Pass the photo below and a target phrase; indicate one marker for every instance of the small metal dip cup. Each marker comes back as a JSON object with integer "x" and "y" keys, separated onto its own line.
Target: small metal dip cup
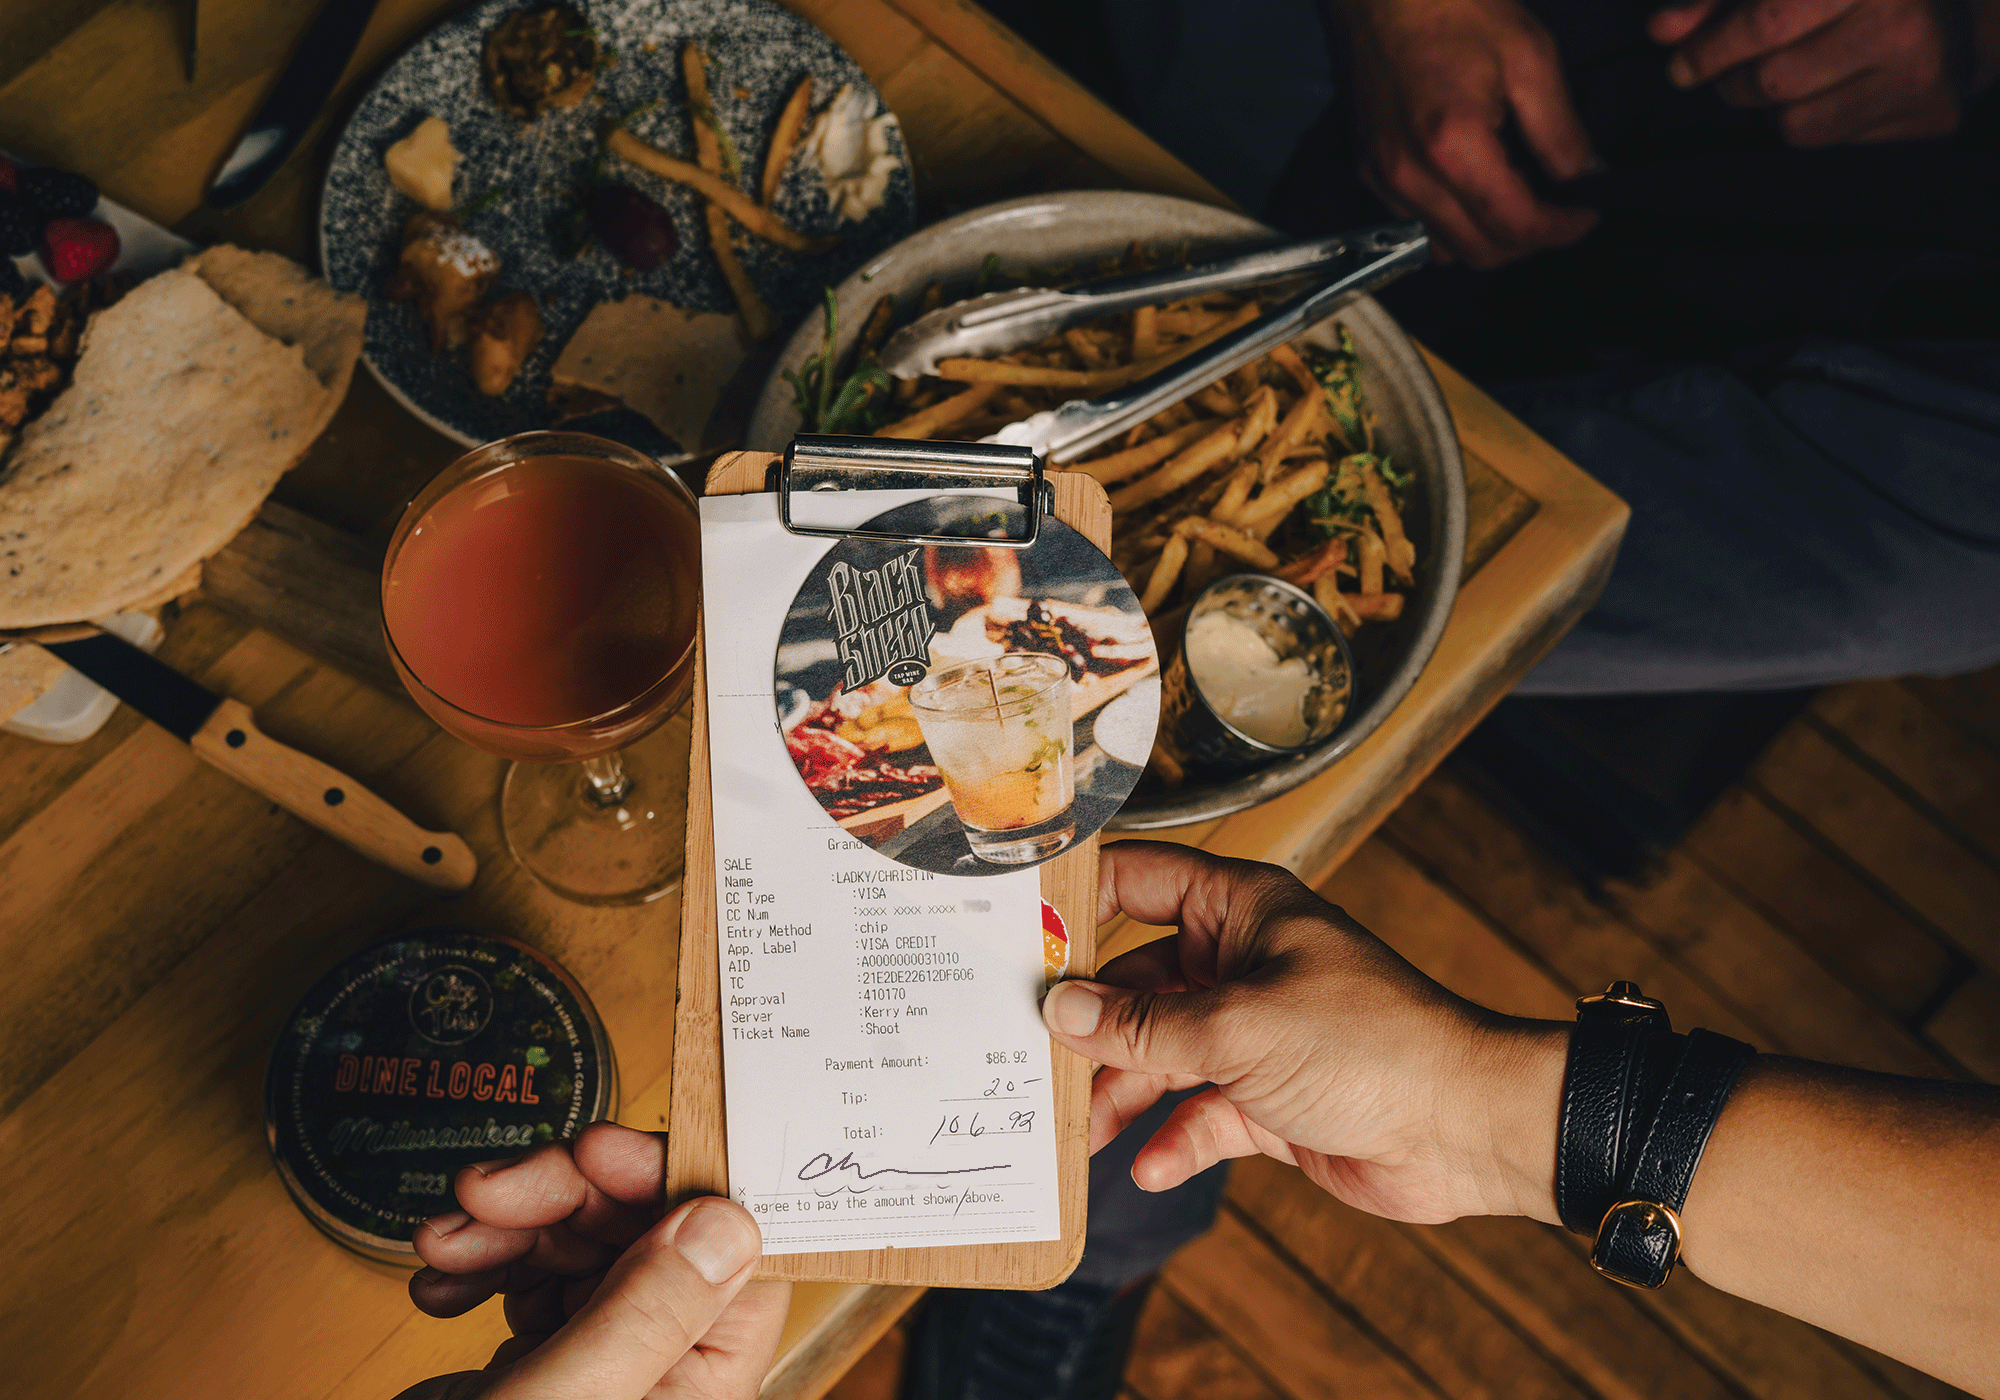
{"x": 1294, "y": 623}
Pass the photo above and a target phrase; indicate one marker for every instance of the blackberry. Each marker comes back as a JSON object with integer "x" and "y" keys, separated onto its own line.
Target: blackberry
{"x": 12, "y": 284}
{"x": 20, "y": 230}
{"x": 57, "y": 194}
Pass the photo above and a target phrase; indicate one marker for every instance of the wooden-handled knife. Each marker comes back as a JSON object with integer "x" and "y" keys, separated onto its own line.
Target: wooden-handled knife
{"x": 223, "y": 732}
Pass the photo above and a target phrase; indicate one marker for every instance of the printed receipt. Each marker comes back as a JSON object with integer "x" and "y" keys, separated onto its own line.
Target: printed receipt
{"x": 885, "y": 1069}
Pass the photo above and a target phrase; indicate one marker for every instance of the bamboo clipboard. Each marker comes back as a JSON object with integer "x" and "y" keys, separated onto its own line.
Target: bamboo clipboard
{"x": 697, "y": 1153}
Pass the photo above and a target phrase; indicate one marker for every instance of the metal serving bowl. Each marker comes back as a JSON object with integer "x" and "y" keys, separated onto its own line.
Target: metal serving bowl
{"x": 1079, "y": 228}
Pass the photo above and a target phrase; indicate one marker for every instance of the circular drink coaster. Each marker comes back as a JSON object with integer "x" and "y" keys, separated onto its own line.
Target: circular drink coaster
{"x": 419, "y": 1056}
{"x": 940, "y": 701}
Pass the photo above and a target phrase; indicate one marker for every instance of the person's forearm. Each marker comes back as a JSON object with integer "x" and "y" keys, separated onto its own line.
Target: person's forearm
{"x": 1864, "y": 1204}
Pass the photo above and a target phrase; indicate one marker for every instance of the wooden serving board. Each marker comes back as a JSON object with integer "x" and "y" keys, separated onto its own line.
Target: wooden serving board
{"x": 697, "y": 1148}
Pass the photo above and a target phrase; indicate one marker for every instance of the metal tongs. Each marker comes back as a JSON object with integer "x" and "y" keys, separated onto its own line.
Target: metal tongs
{"x": 1348, "y": 266}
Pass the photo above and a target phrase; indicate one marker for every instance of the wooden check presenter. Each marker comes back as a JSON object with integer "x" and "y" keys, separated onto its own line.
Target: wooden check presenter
{"x": 697, "y": 1149}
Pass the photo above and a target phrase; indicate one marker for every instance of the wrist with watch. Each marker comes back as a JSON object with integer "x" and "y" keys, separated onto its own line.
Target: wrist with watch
{"x": 1639, "y": 1102}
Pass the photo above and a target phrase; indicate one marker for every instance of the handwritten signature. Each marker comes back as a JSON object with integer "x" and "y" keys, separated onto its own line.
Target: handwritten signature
{"x": 823, "y": 1165}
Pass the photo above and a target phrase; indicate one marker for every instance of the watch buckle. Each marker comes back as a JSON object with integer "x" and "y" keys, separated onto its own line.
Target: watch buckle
{"x": 1647, "y": 1217}
{"x": 1622, "y": 994}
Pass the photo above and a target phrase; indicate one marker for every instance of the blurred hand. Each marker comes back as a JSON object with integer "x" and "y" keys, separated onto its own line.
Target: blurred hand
{"x": 607, "y": 1301}
{"x": 1835, "y": 70}
{"x": 1435, "y": 82}
{"x": 1325, "y": 1048}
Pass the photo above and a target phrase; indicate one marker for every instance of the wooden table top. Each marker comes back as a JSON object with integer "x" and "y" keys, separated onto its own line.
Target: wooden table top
{"x": 159, "y": 920}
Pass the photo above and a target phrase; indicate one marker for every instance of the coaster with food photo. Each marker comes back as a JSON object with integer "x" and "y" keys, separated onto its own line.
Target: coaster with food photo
{"x": 946, "y": 704}
{"x": 548, "y": 206}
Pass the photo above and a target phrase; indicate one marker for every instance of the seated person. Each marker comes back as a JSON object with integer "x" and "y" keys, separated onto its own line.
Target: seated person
{"x": 1835, "y": 1196}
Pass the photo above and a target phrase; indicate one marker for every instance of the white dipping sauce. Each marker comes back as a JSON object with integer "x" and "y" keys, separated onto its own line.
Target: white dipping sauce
{"x": 1243, "y": 680}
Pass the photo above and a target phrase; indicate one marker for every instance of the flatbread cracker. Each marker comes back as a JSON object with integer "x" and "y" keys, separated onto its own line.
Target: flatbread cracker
{"x": 664, "y": 361}
{"x": 186, "y": 407}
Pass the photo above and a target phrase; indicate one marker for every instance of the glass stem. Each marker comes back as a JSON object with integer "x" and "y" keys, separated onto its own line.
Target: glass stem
{"x": 605, "y": 782}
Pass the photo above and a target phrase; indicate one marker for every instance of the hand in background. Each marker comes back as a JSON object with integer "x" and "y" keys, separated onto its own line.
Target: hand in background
{"x": 1835, "y": 70}
{"x": 1435, "y": 83}
{"x": 607, "y": 1300}
{"x": 1326, "y": 1049}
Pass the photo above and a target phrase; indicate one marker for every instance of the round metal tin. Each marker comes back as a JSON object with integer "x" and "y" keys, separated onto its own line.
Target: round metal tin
{"x": 416, "y": 1057}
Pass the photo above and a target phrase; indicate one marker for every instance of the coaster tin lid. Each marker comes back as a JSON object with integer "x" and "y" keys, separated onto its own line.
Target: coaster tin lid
{"x": 416, "y": 1057}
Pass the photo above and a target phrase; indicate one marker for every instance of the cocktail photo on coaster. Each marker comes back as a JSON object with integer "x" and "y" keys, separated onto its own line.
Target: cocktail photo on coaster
{"x": 967, "y": 710}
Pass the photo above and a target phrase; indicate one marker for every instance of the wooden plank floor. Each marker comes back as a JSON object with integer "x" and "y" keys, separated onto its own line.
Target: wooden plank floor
{"x": 1842, "y": 901}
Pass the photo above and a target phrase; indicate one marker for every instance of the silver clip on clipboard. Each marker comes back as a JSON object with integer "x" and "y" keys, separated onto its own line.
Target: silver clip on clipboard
{"x": 821, "y": 462}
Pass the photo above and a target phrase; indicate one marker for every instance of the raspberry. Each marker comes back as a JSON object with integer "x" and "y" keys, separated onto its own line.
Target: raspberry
{"x": 10, "y": 177}
{"x": 57, "y": 194}
{"x": 18, "y": 227}
{"x": 75, "y": 249}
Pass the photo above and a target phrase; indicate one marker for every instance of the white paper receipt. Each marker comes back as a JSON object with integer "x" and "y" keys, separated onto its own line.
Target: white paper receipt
{"x": 885, "y": 1069}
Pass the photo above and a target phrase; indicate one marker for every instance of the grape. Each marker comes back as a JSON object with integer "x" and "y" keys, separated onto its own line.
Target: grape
{"x": 632, "y": 226}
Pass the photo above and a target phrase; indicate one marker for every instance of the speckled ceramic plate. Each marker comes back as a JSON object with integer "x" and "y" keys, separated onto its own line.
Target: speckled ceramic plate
{"x": 756, "y": 49}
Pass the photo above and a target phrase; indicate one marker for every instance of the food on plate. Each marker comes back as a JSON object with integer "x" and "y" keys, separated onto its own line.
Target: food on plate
{"x": 850, "y": 144}
{"x": 20, "y": 229}
{"x": 785, "y": 138}
{"x": 445, "y": 270}
{"x": 847, "y": 777}
{"x": 638, "y": 232}
{"x": 1244, "y": 680}
{"x": 190, "y": 397}
{"x": 56, "y": 194}
{"x": 888, "y": 727}
{"x": 862, "y": 397}
{"x": 1272, "y": 469}
{"x": 542, "y": 59}
{"x": 40, "y": 338}
{"x": 421, "y": 164}
{"x": 658, "y": 359}
{"x": 754, "y": 217}
{"x": 504, "y": 333}
{"x": 717, "y": 156}
{"x": 75, "y": 249}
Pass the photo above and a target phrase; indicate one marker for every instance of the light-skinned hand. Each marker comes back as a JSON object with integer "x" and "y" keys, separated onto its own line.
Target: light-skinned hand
{"x": 607, "y": 1300}
{"x": 1435, "y": 83}
{"x": 1834, "y": 70}
{"x": 1326, "y": 1049}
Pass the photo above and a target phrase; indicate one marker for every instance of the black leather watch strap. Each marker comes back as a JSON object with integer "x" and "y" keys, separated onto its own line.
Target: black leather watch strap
{"x": 1613, "y": 1053}
{"x": 1639, "y": 1238}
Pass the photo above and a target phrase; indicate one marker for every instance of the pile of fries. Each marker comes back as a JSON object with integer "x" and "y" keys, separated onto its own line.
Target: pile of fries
{"x": 1271, "y": 470}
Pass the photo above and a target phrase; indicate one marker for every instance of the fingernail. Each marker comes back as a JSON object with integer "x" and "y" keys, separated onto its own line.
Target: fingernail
{"x": 498, "y": 1164}
{"x": 427, "y": 1275}
{"x": 1072, "y": 1008}
{"x": 718, "y": 1241}
{"x": 450, "y": 1223}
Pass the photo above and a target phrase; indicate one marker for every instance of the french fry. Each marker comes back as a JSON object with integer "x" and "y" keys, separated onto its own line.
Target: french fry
{"x": 1340, "y": 606}
{"x": 1280, "y": 496}
{"x": 1378, "y": 607}
{"x": 1310, "y": 568}
{"x": 933, "y": 298}
{"x": 1373, "y": 556}
{"x": 1261, "y": 417}
{"x": 1145, "y": 332}
{"x": 785, "y": 139}
{"x": 1288, "y": 360}
{"x": 1217, "y": 400}
{"x": 1236, "y": 493}
{"x": 966, "y": 370}
{"x": 1307, "y": 419}
{"x": 876, "y": 328}
{"x": 1166, "y": 572}
{"x": 754, "y": 217}
{"x": 1228, "y": 540}
{"x": 1186, "y": 466}
{"x": 1402, "y": 555}
{"x": 1086, "y": 349}
{"x": 1245, "y": 381}
{"x": 757, "y": 317}
{"x": 1134, "y": 460}
{"x": 929, "y": 422}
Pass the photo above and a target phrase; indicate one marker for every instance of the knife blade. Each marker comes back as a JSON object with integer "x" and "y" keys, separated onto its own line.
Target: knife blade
{"x": 224, "y": 733}
{"x": 1063, "y": 434}
{"x": 1001, "y": 321}
{"x": 295, "y": 100}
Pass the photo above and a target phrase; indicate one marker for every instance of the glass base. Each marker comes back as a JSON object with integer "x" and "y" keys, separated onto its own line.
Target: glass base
{"x": 628, "y": 851}
{"x": 1024, "y": 846}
